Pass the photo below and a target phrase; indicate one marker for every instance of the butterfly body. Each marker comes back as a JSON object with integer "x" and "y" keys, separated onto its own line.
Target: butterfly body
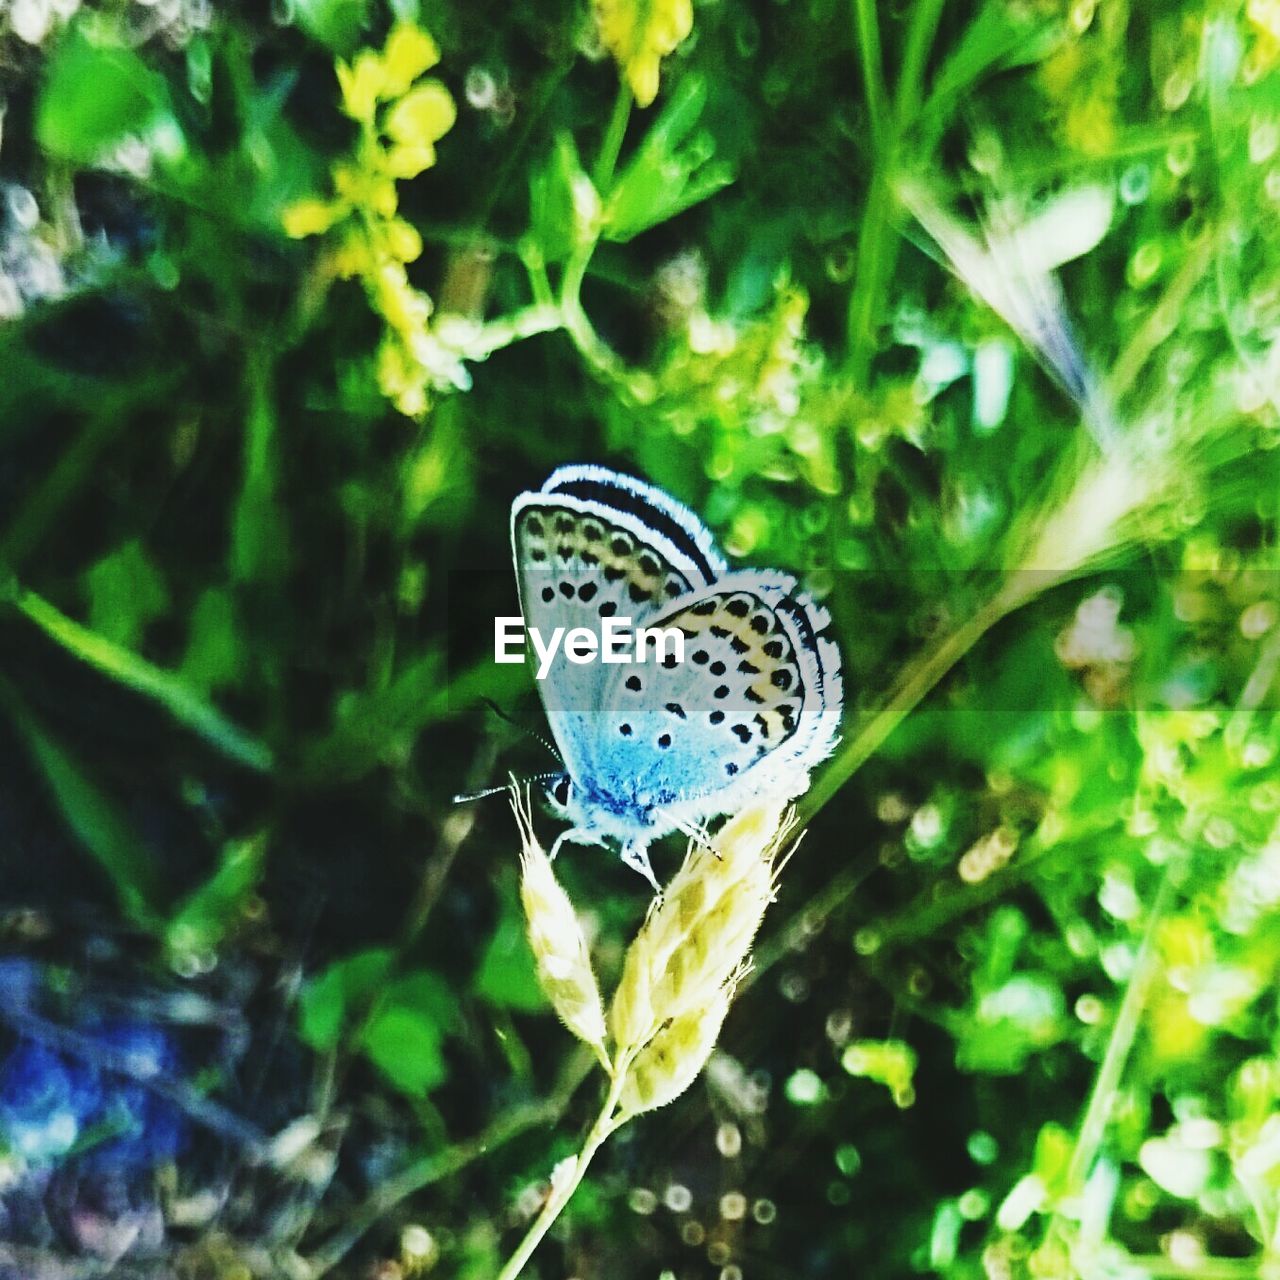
{"x": 660, "y": 745}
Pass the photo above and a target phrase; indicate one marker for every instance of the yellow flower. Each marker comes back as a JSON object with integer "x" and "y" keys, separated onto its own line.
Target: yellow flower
{"x": 422, "y": 115}
{"x": 396, "y": 377}
{"x": 373, "y": 242}
{"x": 353, "y": 257}
{"x": 639, "y": 34}
{"x": 401, "y": 305}
{"x": 409, "y": 52}
{"x": 362, "y": 84}
{"x": 311, "y": 217}
{"x": 403, "y": 241}
{"x": 366, "y": 189}
{"x": 408, "y": 161}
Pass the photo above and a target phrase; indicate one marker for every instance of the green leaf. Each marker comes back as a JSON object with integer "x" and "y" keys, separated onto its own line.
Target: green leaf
{"x": 97, "y": 821}
{"x": 407, "y": 1019}
{"x": 95, "y": 93}
{"x": 126, "y": 592}
{"x": 405, "y": 1035}
{"x": 672, "y": 170}
{"x": 407, "y": 1046}
{"x": 327, "y": 1000}
{"x": 212, "y": 659}
{"x": 121, "y": 664}
{"x": 259, "y": 534}
{"x": 205, "y": 915}
{"x": 334, "y": 23}
{"x": 507, "y": 975}
{"x": 998, "y": 38}
{"x": 562, "y": 201}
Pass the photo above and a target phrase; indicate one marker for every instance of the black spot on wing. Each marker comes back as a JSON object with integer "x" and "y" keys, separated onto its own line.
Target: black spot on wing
{"x": 621, "y": 499}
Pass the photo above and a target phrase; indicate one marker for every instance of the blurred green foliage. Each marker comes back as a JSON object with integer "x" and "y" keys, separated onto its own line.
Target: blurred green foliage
{"x": 967, "y": 313}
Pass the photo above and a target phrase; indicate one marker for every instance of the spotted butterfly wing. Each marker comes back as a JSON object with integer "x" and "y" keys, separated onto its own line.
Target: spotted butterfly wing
{"x": 591, "y": 544}
{"x": 752, "y": 708}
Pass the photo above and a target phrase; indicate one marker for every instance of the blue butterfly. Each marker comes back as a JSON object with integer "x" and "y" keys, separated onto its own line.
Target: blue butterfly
{"x": 665, "y": 745}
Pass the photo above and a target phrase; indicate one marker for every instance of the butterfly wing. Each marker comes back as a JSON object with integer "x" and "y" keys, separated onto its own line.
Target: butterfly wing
{"x": 592, "y": 544}
{"x": 752, "y": 708}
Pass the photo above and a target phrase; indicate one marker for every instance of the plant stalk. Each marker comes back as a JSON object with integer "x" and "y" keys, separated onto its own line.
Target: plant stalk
{"x": 564, "y": 1185}
{"x": 916, "y": 680}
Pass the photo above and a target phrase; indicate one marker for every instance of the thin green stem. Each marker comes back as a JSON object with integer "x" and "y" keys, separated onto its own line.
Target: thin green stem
{"x": 611, "y": 144}
{"x": 173, "y": 693}
{"x": 494, "y": 335}
{"x": 566, "y": 1180}
{"x": 866, "y": 24}
{"x": 1093, "y": 1125}
{"x": 107, "y": 417}
{"x": 924, "y": 25}
{"x": 916, "y": 680}
{"x": 47, "y": 499}
{"x": 539, "y": 283}
{"x": 874, "y": 264}
{"x": 873, "y": 251}
{"x": 602, "y": 358}
{"x": 443, "y": 1164}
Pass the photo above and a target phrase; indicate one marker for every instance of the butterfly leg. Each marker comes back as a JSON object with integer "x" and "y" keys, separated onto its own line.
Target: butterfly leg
{"x": 636, "y": 856}
{"x": 574, "y": 835}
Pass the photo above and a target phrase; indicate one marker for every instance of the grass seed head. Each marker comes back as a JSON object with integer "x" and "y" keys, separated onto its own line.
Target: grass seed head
{"x": 698, "y": 934}
{"x": 672, "y": 1059}
{"x": 556, "y": 938}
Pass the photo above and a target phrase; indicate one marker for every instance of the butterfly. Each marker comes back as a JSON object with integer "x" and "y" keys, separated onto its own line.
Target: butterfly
{"x": 662, "y": 745}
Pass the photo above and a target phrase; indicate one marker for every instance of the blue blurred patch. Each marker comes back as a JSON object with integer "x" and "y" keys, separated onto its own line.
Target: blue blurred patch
{"x": 100, "y": 1113}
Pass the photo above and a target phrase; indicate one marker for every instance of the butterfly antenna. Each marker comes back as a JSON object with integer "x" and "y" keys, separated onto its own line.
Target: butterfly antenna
{"x": 515, "y": 724}
{"x": 466, "y": 797}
